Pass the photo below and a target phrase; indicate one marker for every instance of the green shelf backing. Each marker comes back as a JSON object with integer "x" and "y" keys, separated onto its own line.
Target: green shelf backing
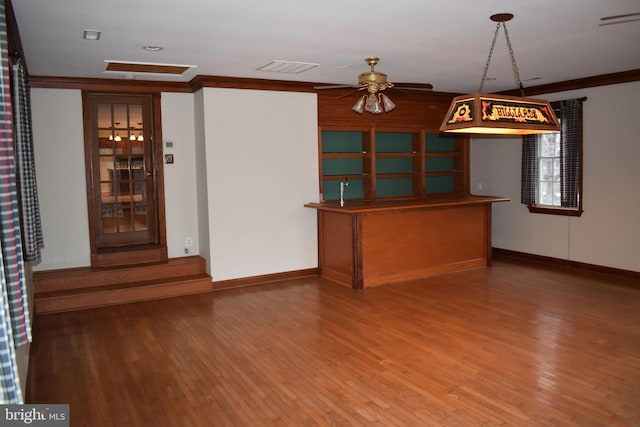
{"x": 394, "y": 165}
{"x": 436, "y": 143}
{"x": 331, "y": 189}
{"x": 389, "y": 187}
{"x": 440, "y": 184}
{"x": 341, "y": 166}
{"x": 393, "y": 142}
{"x": 440, "y": 164}
{"x": 341, "y": 142}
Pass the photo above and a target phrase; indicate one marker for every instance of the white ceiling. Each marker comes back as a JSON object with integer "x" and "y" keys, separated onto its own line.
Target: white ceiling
{"x": 444, "y": 43}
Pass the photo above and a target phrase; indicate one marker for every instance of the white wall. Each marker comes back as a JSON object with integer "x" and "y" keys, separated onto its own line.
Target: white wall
{"x": 245, "y": 164}
{"x": 180, "y": 177}
{"x": 59, "y": 156}
{"x": 201, "y": 179}
{"x": 262, "y": 167}
{"x": 608, "y": 233}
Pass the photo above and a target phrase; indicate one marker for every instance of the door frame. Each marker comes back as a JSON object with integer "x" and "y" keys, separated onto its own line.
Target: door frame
{"x": 125, "y": 255}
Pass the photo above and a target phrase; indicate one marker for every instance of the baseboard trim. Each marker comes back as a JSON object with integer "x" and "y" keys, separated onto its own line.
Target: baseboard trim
{"x": 30, "y": 379}
{"x": 629, "y": 274}
{"x": 262, "y": 279}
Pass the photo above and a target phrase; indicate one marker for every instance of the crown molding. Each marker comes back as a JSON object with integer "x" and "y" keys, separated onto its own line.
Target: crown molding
{"x": 594, "y": 81}
{"x": 199, "y": 82}
{"x": 108, "y": 85}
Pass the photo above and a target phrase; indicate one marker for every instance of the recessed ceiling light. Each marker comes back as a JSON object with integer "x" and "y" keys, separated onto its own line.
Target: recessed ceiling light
{"x": 152, "y": 48}
{"x": 91, "y": 35}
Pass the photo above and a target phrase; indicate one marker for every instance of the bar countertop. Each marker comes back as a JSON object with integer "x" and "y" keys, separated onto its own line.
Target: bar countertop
{"x": 433, "y": 202}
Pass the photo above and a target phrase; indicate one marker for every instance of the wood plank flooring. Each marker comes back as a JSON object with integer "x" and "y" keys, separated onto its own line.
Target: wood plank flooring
{"x": 509, "y": 345}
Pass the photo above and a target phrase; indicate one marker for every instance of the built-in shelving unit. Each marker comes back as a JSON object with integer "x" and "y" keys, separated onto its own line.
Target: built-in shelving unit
{"x": 392, "y": 164}
{"x": 445, "y": 159}
{"x": 345, "y": 154}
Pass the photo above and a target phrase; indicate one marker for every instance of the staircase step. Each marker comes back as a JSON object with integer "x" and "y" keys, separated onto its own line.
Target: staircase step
{"x": 86, "y": 277}
{"x": 111, "y": 294}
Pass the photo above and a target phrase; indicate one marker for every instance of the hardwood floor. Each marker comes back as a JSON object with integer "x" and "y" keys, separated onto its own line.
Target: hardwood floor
{"x": 509, "y": 345}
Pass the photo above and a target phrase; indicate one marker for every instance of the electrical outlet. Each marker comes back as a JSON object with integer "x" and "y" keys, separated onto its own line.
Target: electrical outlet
{"x": 188, "y": 242}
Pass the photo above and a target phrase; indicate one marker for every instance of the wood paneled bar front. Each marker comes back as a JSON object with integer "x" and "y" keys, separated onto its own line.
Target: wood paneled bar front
{"x": 364, "y": 244}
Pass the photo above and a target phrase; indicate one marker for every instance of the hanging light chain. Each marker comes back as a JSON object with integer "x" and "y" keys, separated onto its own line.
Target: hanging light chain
{"x": 514, "y": 65}
{"x": 486, "y": 67}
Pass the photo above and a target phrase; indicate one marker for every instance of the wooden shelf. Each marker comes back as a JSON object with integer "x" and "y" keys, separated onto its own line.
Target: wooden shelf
{"x": 396, "y": 155}
{"x": 343, "y": 155}
{"x": 436, "y": 155}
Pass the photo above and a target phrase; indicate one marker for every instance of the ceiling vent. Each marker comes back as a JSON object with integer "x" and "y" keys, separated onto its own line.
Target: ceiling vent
{"x": 287, "y": 67}
{"x": 146, "y": 67}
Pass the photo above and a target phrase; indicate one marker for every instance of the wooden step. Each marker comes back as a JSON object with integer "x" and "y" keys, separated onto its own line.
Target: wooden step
{"x": 80, "y": 288}
{"x": 84, "y": 277}
{"x": 98, "y": 296}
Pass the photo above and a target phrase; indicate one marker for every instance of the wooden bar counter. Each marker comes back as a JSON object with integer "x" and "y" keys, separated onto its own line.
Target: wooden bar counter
{"x": 364, "y": 244}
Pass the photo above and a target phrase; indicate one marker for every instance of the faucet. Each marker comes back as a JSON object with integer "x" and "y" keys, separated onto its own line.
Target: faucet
{"x": 343, "y": 184}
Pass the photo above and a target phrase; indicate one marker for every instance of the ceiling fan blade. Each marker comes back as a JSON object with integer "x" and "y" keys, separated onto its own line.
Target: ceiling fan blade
{"x": 355, "y": 63}
{"x": 413, "y": 86}
{"x": 352, "y": 92}
{"x": 334, "y": 86}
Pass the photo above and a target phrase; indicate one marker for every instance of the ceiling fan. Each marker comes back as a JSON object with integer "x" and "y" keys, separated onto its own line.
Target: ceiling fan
{"x": 375, "y": 82}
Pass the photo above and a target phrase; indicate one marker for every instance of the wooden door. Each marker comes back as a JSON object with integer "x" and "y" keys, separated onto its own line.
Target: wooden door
{"x": 122, "y": 176}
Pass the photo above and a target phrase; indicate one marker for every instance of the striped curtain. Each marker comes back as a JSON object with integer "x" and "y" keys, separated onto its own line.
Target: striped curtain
{"x": 25, "y": 162}
{"x": 529, "y": 181}
{"x": 15, "y": 328}
{"x": 10, "y": 391}
{"x": 570, "y": 151}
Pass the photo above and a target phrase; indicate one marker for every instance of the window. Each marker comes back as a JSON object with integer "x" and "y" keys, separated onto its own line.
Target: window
{"x": 548, "y": 181}
{"x": 552, "y": 164}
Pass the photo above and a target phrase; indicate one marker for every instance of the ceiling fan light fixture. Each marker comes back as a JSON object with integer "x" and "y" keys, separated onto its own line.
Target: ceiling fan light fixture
{"x": 374, "y": 82}
{"x": 373, "y": 105}
{"x": 359, "y": 106}
{"x": 493, "y": 114}
{"x": 387, "y": 103}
